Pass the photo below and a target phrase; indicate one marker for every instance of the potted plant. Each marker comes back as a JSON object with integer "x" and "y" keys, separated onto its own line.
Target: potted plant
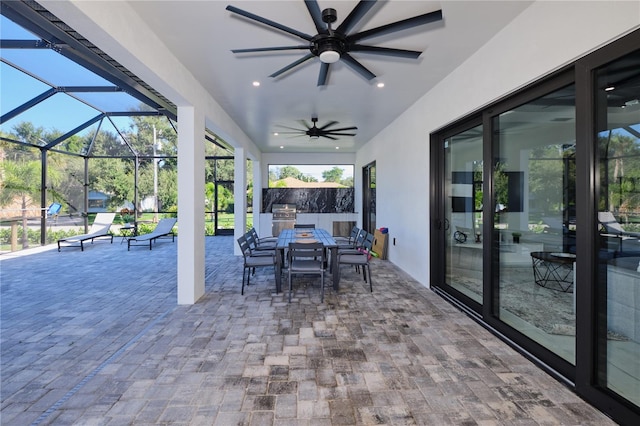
{"x": 516, "y": 237}
{"x": 125, "y": 215}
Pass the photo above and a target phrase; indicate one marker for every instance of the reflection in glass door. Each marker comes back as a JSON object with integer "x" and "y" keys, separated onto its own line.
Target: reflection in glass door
{"x": 618, "y": 95}
{"x": 463, "y": 212}
{"x": 534, "y": 233}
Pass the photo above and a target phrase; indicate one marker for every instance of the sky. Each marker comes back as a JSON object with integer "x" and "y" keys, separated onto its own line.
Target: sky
{"x": 60, "y": 111}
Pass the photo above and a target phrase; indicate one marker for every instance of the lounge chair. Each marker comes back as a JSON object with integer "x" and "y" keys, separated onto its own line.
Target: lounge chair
{"x": 163, "y": 229}
{"x": 99, "y": 229}
{"x": 612, "y": 226}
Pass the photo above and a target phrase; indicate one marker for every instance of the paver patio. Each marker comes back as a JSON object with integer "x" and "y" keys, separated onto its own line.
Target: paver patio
{"x": 96, "y": 337}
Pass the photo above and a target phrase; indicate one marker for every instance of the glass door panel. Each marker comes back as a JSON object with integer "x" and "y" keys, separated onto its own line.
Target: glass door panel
{"x": 369, "y": 197}
{"x": 463, "y": 212}
{"x": 618, "y": 117}
{"x": 534, "y": 220}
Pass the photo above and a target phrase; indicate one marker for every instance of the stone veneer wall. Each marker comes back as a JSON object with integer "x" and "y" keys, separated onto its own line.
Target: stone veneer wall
{"x": 310, "y": 200}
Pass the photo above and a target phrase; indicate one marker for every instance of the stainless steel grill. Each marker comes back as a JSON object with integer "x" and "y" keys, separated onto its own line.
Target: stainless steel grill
{"x": 284, "y": 217}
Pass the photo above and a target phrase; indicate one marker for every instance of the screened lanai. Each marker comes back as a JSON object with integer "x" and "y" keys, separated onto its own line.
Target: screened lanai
{"x": 82, "y": 135}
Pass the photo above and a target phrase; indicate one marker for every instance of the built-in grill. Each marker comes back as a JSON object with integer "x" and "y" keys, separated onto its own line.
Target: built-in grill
{"x": 284, "y": 217}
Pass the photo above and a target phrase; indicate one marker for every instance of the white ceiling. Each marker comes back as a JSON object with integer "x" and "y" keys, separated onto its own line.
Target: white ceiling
{"x": 201, "y": 35}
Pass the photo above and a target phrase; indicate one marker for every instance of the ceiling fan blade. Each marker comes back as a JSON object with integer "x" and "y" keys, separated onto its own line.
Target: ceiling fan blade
{"x": 356, "y": 14}
{"x": 302, "y": 132}
{"x": 291, "y": 128}
{"x": 376, "y": 50}
{"x": 340, "y": 134}
{"x": 324, "y": 71}
{"x": 357, "y": 66}
{"x": 329, "y": 124}
{"x": 269, "y": 22}
{"x": 269, "y": 49}
{"x": 405, "y": 24}
{"x": 305, "y": 123}
{"x": 292, "y": 65}
{"x": 328, "y": 137}
{"x": 342, "y": 129}
{"x": 316, "y": 15}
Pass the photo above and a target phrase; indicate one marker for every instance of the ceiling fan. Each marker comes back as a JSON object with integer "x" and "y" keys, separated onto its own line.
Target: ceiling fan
{"x": 315, "y": 132}
{"x": 332, "y": 45}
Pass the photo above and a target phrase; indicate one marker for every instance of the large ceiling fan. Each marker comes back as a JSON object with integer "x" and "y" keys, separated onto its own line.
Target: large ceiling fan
{"x": 315, "y": 132}
{"x": 332, "y": 45}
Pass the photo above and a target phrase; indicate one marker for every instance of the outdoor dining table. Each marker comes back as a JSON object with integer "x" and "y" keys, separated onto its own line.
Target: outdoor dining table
{"x": 306, "y": 235}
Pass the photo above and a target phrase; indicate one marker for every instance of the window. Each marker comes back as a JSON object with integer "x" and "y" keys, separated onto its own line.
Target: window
{"x": 311, "y": 176}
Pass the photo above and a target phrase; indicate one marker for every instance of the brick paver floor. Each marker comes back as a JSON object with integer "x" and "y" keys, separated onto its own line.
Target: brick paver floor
{"x": 97, "y": 338}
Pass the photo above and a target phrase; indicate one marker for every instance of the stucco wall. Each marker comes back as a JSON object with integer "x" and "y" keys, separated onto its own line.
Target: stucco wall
{"x": 545, "y": 37}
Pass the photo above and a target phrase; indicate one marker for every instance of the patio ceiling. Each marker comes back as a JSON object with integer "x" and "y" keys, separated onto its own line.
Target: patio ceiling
{"x": 201, "y": 36}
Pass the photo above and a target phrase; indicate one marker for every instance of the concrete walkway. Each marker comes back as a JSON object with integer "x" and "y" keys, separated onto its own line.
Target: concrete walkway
{"x": 96, "y": 338}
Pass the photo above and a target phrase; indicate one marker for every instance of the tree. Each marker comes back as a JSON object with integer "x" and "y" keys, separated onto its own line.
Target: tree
{"x": 21, "y": 180}
{"x": 333, "y": 175}
{"x": 290, "y": 171}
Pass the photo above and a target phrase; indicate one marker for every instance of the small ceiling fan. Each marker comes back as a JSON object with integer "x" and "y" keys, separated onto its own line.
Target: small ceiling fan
{"x": 315, "y": 132}
{"x": 332, "y": 45}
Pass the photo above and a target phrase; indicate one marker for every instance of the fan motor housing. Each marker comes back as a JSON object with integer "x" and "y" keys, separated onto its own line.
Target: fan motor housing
{"x": 325, "y": 42}
{"x": 329, "y": 15}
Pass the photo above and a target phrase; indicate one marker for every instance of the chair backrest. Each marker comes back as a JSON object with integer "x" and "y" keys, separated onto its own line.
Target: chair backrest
{"x": 362, "y": 234}
{"x": 254, "y": 235}
{"x": 304, "y": 226}
{"x": 354, "y": 233}
{"x": 306, "y": 251}
{"x": 165, "y": 225}
{"x": 611, "y": 225}
{"x": 252, "y": 242}
{"x": 244, "y": 246}
{"x": 367, "y": 244}
{"x": 54, "y": 209}
{"x": 102, "y": 223}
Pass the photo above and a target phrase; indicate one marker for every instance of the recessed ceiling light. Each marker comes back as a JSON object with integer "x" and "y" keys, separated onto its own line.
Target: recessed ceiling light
{"x": 256, "y": 83}
{"x": 281, "y": 147}
{"x": 275, "y": 133}
{"x": 380, "y": 85}
{"x": 609, "y": 88}
{"x": 337, "y": 147}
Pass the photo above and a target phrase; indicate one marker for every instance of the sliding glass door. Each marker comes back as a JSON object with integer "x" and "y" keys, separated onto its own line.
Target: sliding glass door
{"x": 535, "y": 207}
{"x": 617, "y": 92}
{"x": 463, "y": 212}
{"x": 534, "y": 232}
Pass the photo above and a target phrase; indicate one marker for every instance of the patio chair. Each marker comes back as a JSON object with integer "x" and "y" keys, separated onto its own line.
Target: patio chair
{"x": 163, "y": 229}
{"x": 359, "y": 257}
{"x": 99, "y": 229}
{"x": 304, "y": 226}
{"x": 251, "y": 262}
{"x": 307, "y": 259}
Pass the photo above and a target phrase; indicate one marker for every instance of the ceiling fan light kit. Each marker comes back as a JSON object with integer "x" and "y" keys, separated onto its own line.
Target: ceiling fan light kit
{"x": 332, "y": 45}
{"x": 329, "y": 56}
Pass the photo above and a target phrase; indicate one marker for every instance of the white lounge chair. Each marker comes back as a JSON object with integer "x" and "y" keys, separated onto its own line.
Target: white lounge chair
{"x": 612, "y": 226}
{"x": 163, "y": 229}
{"x": 99, "y": 229}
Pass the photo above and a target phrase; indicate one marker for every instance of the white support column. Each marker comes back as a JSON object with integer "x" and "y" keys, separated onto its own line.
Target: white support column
{"x": 190, "y": 205}
{"x": 239, "y": 196}
{"x": 257, "y": 195}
